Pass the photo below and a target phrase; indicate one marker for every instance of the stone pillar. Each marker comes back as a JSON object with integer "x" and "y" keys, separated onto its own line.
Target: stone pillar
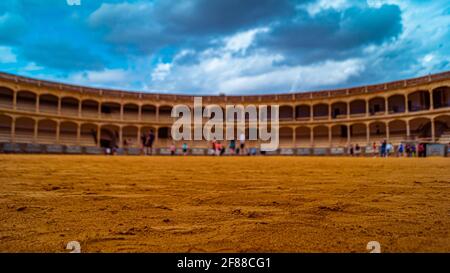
{"x": 78, "y": 133}
{"x": 15, "y": 100}
{"x": 311, "y": 137}
{"x": 35, "y": 133}
{"x": 293, "y": 112}
{"x": 386, "y": 106}
{"x": 368, "y": 133}
{"x": 120, "y": 137}
{"x": 99, "y": 134}
{"x": 406, "y": 104}
{"x": 433, "y": 133}
{"x": 121, "y": 111}
{"x": 311, "y": 112}
{"x": 348, "y": 110}
{"x": 59, "y": 106}
{"x": 139, "y": 113}
{"x": 99, "y": 114}
{"x": 157, "y": 113}
{"x": 37, "y": 103}
{"x": 138, "y": 140}
{"x": 431, "y": 100}
{"x": 58, "y": 127}
{"x": 329, "y": 111}
{"x": 80, "y": 108}
{"x": 13, "y": 130}
{"x": 387, "y": 131}
{"x": 348, "y": 135}
{"x": 408, "y": 133}
{"x": 294, "y": 138}
{"x": 367, "y": 108}
{"x": 330, "y": 136}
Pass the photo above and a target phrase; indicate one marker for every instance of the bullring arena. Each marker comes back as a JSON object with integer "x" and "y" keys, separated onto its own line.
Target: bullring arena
{"x": 308, "y": 196}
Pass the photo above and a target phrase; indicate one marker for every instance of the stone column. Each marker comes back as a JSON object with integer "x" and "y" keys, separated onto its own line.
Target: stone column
{"x": 368, "y": 133}
{"x": 348, "y": 135}
{"x": 80, "y": 107}
{"x": 433, "y": 133}
{"x": 406, "y": 104}
{"x": 367, "y": 108}
{"x": 139, "y": 113}
{"x": 311, "y": 112}
{"x": 386, "y": 106}
{"x": 294, "y": 138}
{"x": 387, "y": 132}
{"x": 408, "y": 132}
{"x": 58, "y": 128}
{"x": 121, "y": 111}
{"x": 15, "y": 100}
{"x": 37, "y": 103}
{"x": 78, "y": 133}
{"x": 120, "y": 137}
{"x": 431, "y": 100}
{"x": 311, "y": 137}
{"x": 35, "y": 133}
{"x": 330, "y": 136}
{"x": 59, "y": 106}
{"x": 99, "y": 132}
{"x": 138, "y": 140}
{"x": 13, "y": 130}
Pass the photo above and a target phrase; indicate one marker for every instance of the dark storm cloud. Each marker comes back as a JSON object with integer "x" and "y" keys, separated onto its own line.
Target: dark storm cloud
{"x": 186, "y": 23}
{"x": 332, "y": 34}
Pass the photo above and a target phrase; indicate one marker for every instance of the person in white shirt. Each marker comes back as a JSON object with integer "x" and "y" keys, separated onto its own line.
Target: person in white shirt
{"x": 242, "y": 141}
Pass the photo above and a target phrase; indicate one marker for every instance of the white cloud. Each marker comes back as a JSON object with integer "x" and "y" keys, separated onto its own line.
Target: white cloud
{"x": 320, "y": 5}
{"x": 161, "y": 71}
{"x": 241, "y": 41}
{"x": 7, "y": 55}
{"x": 105, "y": 77}
{"x": 32, "y": 67}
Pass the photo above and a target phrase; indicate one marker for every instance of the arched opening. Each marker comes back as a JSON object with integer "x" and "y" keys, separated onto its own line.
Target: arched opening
{"x": 164, "y": 113}
{"x": 48, "y": 104}
{"x": 358, "y": 134}
{"x": 46, "y": 131}
{"x": 129, "y": 136}
{"x": 358, "y": 107}
{"x": 88, "y": 134}
{"x": 26, "y": 101}
{"x": 377, "y": 106}
{"x": 286, "y": 134}
{"x": 24, "y": 130}
{"x": 377, "y": 132}
{"x": 339, "y": 136}
{"x": 89, "y": 108}
{"x": 321, "y": 136}
{"x": 164, "y": 137}
{"x": 303, "y": 112}
{"x": 5, "y": 128}
{"x": 148, "y": 112}
{"x": 286, "y": 112}
{"x": 320, "y": 111}
{"x": 110, "y": 110}
{"x": 441, "y": 97}
{"x": 68, "y": 133}
{"x": 419, "y": 101}
{"x": 339, "y": 110}
{"x": 6, "y": 97}
{"x": 130, "y": 111}
{"x": 109, "y": 136}
{"x": 303, "y": 137}
{"x": 420, "y": 128}
{"x": 396, "y": 104}
{"x": 397, "y": 131}
{"x": 442, "y": 129}
{"x": 69, "y": 106}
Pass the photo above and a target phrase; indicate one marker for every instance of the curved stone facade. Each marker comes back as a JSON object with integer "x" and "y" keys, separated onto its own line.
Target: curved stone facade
{"x": 35, "y": 112}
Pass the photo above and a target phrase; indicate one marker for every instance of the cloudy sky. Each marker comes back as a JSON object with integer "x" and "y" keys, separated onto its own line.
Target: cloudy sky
{"x": 224, "y": 46}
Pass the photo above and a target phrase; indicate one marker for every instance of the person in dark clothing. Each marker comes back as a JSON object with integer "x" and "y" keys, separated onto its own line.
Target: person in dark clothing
{"x": 149, "y": 142}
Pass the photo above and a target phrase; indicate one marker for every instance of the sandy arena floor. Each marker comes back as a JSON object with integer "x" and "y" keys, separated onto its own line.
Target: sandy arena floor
{"x": 227, "y": 204}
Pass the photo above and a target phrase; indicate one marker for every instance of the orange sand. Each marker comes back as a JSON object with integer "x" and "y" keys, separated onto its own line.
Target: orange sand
{"x": 227, "y": 204}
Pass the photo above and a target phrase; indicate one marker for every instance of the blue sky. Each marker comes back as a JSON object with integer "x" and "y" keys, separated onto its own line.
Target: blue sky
{"x": 226, "y": 46}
